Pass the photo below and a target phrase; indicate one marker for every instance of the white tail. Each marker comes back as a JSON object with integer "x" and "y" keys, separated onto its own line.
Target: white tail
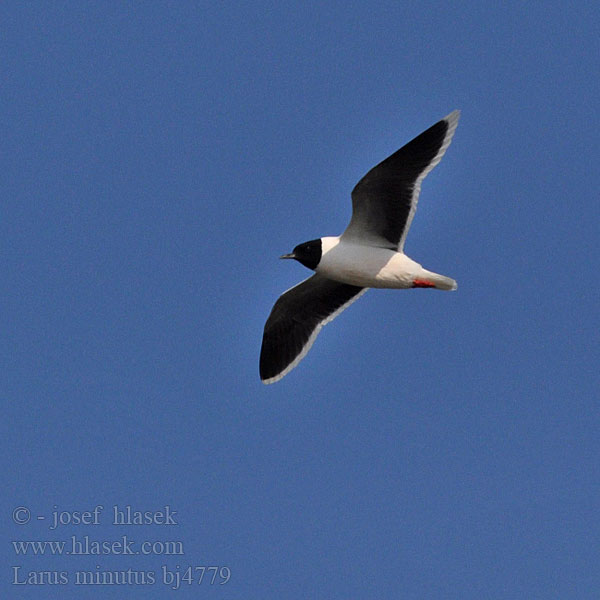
{"x": 441, "y": 282}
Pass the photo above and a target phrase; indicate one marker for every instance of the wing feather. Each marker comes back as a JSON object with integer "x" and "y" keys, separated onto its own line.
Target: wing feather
{"x": 297, "y": 318}
{"x": 384, "y": 201}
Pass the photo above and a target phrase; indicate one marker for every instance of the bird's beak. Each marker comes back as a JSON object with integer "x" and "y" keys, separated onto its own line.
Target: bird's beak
{"x": 291, "y": 255}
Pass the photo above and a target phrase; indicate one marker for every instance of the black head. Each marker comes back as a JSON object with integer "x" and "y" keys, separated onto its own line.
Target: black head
{"x": 308, "y": 253}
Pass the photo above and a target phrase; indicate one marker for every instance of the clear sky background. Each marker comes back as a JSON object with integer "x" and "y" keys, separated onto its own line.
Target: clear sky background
{"x": 157, "y": 158}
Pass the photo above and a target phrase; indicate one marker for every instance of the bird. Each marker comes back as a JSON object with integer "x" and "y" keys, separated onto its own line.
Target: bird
{"x": 368, "y": 254}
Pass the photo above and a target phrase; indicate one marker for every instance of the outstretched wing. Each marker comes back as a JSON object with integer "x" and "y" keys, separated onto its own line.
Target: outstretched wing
{"x": 296, "y": 319}
{"x": 384, "y": 201}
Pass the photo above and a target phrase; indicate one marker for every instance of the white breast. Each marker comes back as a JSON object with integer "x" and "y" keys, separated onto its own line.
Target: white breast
{"x": 366, "y": 266}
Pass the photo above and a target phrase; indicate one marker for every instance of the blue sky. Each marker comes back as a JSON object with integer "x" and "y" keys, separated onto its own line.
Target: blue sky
{"x": 158, "y": 158}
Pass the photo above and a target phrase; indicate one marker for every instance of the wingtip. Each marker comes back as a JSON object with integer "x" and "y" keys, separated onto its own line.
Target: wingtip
{"x": 266, "y": 379}
{"x": 452, "y": 117}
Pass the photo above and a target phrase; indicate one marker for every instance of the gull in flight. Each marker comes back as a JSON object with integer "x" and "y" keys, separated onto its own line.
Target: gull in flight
{"x": 369, "y": 254}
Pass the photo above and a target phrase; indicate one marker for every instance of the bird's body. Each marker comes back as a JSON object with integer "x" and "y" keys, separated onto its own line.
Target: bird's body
{"x": 374, "y": 267}
{"x": 369, "y": 254}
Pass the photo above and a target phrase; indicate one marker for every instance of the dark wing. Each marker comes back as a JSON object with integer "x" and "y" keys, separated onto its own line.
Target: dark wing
{"x": 296, "y": 320}
{"x": 384, "y": 201}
